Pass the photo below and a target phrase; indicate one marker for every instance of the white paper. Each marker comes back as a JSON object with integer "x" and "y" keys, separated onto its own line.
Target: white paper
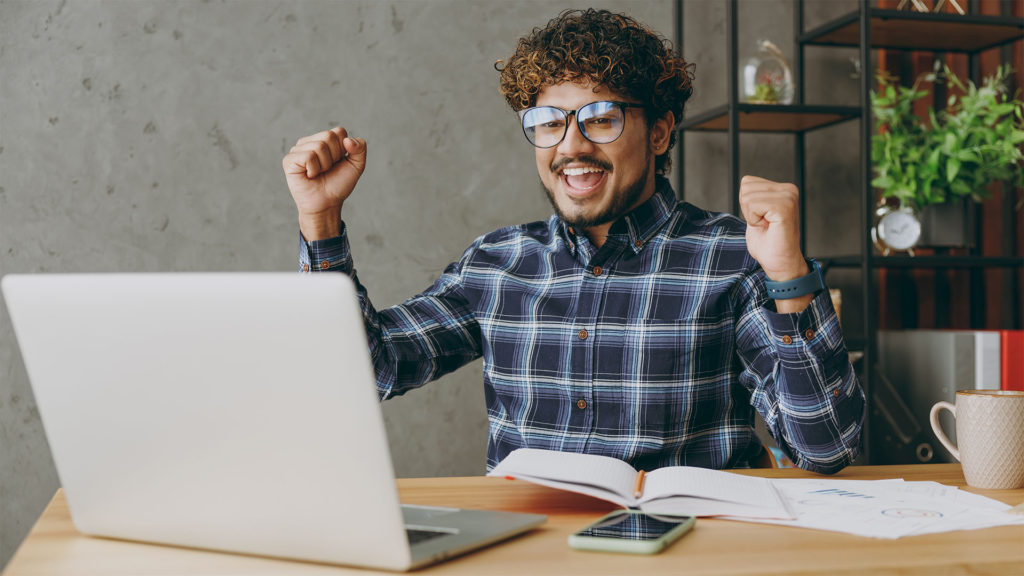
{"x": 887, "y": 508}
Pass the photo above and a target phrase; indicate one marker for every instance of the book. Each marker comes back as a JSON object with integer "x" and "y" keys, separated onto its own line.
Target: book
{"x": 1012, "y": 351}
{"x": 673, "y": 490}
{"x": 941, "y": 360}
{"x": 986, "y": 360}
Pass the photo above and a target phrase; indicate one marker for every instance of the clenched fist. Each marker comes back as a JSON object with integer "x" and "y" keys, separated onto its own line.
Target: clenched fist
{"x": 322, "y": 170}
{"x": 772, "y": 212}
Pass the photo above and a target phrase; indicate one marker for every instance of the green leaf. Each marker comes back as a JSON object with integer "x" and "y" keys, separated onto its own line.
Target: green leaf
{"x": 969, "y": 156}
{"x": 949, "y": 143}
{"x": 883, "y": 182}
{"x": 952, "y": 167}
{"x": 960, "y": 188}
{"x": 933, "y": 160}
{"x": 1003, "y": 109}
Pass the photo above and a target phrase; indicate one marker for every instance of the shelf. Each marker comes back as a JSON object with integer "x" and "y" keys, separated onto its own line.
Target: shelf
{"x": 924, "y": 262}
{"x": 919, "y": 31}
{"x": 945, "y": 262}
{"x": 770, "y": 118}
{"x": 828, "y": 262}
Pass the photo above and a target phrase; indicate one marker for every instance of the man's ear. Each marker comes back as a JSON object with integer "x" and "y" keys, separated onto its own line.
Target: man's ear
{"x": 661, "y": 133}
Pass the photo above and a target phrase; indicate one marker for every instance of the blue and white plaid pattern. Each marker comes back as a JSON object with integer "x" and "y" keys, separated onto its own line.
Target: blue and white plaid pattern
{"x": 654, "y": 349}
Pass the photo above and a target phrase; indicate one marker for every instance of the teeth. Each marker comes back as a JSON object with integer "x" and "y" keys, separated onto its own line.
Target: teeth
{"x": 581, "y": 171}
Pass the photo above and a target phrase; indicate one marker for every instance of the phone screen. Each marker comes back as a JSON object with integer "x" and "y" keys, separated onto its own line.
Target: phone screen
{"x": 634, "y": 526}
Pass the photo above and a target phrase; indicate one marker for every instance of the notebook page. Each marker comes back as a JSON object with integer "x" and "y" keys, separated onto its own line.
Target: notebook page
{"x": 598, "y": 476}
{"x": 711, "y": 484}
{"x": 695, "y": 506}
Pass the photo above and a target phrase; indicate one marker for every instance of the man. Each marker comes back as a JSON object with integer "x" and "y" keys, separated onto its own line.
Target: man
{"x": 628, "y": 324}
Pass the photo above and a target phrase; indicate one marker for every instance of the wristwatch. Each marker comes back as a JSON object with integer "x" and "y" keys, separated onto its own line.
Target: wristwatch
{"x": 801, "y": 286}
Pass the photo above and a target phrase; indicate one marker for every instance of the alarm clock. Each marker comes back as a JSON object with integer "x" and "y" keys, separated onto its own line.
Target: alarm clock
{"x": 896, "y": 229}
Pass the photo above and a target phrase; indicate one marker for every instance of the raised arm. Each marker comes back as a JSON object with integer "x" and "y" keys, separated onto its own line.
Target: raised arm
{"x": 798, "y": 372}
{"x": 795, "y": 361}
{"x": 412, "y": 343}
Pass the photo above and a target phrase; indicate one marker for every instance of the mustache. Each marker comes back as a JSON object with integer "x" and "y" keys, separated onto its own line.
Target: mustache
{"x": 589, "y": 160}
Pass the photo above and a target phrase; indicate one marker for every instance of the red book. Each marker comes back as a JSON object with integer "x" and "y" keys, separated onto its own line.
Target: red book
{"x": 1011, "y": 349}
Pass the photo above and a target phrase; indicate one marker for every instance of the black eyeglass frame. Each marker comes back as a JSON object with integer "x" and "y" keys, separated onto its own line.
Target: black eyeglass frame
{"x": 574, "y": 113}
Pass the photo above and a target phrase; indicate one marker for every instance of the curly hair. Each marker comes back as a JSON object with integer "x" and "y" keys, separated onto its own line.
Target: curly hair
{"x": 605, "y": 49}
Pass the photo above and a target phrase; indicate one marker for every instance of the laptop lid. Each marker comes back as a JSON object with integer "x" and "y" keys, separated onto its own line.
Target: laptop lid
{"x": 233, "y": 412}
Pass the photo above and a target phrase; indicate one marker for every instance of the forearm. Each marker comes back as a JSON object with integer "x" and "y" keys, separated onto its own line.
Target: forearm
{"x": 820, "y": 413}
{"x": 412, "y": 343}
{"x": 806, "y": 388}
{"x": 333, "y": 254}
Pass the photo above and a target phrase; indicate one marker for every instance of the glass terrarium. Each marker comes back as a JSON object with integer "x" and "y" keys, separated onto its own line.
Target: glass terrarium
{"x": 766, "y": 76}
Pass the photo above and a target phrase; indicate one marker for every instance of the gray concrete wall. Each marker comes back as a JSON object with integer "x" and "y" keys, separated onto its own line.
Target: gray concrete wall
{"x": 147, "y": 136}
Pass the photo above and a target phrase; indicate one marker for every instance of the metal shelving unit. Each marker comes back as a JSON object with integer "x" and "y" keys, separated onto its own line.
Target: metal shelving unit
{"x": 902, "y": 30}
{"x": 771, "y": 118}
{"x": 867, "y": 28}
{"x": 929, "y": 262}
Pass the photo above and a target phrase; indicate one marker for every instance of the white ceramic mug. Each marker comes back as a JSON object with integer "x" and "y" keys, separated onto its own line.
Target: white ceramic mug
{"x": 990, "y": 434}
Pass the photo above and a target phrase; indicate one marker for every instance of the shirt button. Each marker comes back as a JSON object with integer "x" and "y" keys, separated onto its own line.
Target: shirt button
{"x": 305, "y": 267}
{"x": 787, "y": 339}
{"x": 581, "y": 404}
{"x": 324, "y": 264}
{"x": 583, "y": 334}
{"x": 835, "y": 392}
{"x": 598, "y": 270}
{"x": 809, "y": 334}
{"x": 638, "y": 244}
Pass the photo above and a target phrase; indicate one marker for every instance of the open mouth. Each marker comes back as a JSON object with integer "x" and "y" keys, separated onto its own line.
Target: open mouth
{"x": 581, "y": 180}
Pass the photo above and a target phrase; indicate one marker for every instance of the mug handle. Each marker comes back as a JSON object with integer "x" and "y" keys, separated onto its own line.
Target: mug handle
{"x": 937, "y": 428}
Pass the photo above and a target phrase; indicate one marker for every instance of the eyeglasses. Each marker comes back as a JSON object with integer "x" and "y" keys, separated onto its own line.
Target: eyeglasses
{"x": 600, "y": 122}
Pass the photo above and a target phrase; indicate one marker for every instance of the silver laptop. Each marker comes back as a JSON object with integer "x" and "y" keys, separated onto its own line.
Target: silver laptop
{"x": 232, "y": 412}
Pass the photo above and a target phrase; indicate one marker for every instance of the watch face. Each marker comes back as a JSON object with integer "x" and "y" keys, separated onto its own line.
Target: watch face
{"x": 899, "y": 229}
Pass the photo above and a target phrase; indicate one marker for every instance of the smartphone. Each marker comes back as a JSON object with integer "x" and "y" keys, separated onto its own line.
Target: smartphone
{"x": 632, "y": 531}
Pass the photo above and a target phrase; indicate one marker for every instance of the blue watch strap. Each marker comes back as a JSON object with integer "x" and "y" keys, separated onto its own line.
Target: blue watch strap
{"x": 801, "y": 286}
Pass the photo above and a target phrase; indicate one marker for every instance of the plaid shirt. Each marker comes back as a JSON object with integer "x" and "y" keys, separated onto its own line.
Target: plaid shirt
{"x": 655, "y": 349}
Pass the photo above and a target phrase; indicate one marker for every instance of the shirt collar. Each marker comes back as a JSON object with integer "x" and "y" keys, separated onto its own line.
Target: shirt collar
{"x": 641, "y": 224}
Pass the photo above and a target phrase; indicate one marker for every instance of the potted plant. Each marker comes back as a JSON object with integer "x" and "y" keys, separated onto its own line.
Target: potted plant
{"x": 924, "y": 168}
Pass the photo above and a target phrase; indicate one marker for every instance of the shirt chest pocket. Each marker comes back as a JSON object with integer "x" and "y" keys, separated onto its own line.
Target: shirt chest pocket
{"x": 680, "y": 350}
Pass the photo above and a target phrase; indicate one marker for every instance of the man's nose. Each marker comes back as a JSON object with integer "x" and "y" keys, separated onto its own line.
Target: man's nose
{"x": 574, "y": 142}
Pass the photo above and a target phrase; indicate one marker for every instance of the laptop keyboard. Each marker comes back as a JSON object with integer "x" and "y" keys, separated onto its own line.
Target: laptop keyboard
{"x": 417, "y": 536}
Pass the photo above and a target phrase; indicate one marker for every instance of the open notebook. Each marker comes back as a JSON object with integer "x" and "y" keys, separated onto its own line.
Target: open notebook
{"x": 676, "y": 490}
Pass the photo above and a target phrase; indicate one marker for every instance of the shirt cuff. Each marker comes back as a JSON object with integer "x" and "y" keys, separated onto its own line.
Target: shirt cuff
{"x": 330, "y": 254}
{"x": 814, "y": 330}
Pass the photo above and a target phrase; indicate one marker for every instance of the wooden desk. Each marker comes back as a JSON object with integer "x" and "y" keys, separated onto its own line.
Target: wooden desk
{"x": 714, "y": 547}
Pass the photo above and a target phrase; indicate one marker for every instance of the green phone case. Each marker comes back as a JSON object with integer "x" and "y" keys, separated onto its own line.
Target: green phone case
{"x": 624, "y": 545}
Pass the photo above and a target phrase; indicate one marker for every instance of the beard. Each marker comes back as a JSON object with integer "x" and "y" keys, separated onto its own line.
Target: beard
{"x": 622, "y": 202}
